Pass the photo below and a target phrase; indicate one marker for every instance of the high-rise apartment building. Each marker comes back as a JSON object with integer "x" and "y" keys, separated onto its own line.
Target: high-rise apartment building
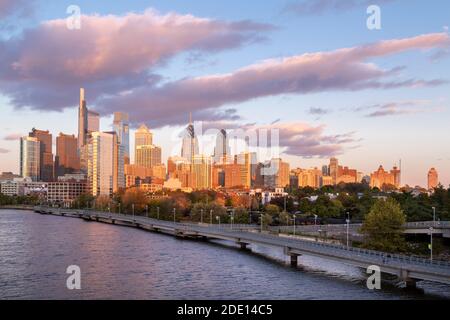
{"x": 67, "y": 160}
{"x": 46, "y": 155}
{"x": 433, "y": 179}
{"x": 121, "y": 126}
{"x": 382, "y": 178}
{"x": 105, "y": 164}
{"x": 30, "y": 155}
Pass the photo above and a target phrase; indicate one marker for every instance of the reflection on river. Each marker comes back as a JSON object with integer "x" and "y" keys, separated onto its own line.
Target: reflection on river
{"x": 126, "y": 263}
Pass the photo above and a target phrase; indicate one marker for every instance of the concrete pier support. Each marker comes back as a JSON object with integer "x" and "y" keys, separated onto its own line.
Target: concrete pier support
{"x": 405, "y": 278}
{"x": 293, "y": 256}
{"x": 294, "y": 260}
{"x": 243, "y": 245}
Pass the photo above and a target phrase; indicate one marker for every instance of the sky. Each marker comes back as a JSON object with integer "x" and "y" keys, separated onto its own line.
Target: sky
{"x": 310, "y": 70}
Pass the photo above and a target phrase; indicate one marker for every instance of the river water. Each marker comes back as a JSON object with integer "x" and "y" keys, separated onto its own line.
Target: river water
{"x": 126, "y": 263}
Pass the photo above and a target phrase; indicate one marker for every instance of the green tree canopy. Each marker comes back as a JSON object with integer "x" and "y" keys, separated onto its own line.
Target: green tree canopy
{"x": 383, "y": 226}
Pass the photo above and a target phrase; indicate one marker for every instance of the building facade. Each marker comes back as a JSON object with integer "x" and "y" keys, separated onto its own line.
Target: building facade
{"x": 30, "y": 155}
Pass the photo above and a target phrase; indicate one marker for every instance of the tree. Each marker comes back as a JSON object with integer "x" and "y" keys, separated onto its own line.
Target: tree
{"x": 241, "y": 215}
{"x": 383, "y": 226}
{"x": 272, "y": 209}
{"x": 266, "y": 220}
{"x": 136, "y": 197}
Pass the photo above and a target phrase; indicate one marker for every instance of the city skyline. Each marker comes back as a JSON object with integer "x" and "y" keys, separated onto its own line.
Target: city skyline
{"x": 363, "y": 127}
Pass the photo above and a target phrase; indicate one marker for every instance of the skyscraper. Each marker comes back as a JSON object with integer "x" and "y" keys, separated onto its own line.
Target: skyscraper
{"x": 189, "y": 147}
{"x": 276, "y": 173}
{"x": 67, "y": 159}
{"x": 46, "y": 155}
{"x": 201, "y": 172}
{"x": 222, "y": 149}
{"x": 433, "y": 179}
{"x": 146, "y": 154}
{"x": 82, "y": 121}
{"x": 122, "y": 128}
{"x": 30, "y": 156}
{"x": 143, "y": 136}
{"x": 105, "y": 164}
{"x": 334, "y": 167}
{"x": 93, "y": 123}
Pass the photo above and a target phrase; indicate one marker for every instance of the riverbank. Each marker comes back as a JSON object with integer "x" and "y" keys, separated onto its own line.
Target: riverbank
{"x": 18, "y": 207}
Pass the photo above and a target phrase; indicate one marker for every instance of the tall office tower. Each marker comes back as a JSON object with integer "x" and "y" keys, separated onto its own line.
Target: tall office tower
{"x": 201, "y": 172}
{"x": 325, "y": 170}
{"x": 189, "y": 147}
{"x": 143, "y": 136}
{"x": 222, "y": 149}
{"x": 333, "y": 169}
{"x": 105, "y": 164}
{"x": 82, "y": 121}
{"x": 276, "y": 174}
{"x": 67, "y": 160}
{"x": 93, "y": 124}
{"x": 122, "y": 128}
{"x": 30, "y": 155}
{"x": 433, "y": 179}
{"x": 247, "y": 162}
{"x": 46, "y": 155}
{"x": 148, "y": 156}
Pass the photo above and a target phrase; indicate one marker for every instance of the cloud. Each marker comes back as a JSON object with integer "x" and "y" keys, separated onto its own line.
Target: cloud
{"x": 15, "y": 7}
{"x": 345, "y": 69}
{"x": 317, "y": 7}
{"x": 13, "y": 137}
{"x": 295, "y": 138}
{"x": 4, "y": 150}
{"x": 304, "y": 140}
{"x": 318, "y": 111}
{"x": 44, "y": 67}
{"x": 398, "y": 108}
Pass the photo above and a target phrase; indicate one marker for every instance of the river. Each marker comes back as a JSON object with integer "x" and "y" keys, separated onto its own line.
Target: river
{"x": 126, "y": 263}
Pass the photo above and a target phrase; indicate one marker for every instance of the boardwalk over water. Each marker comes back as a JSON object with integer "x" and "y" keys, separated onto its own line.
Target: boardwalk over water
{"x": 408, "y": 269}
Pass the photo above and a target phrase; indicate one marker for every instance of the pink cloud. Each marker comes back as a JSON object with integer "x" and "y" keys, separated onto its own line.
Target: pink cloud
{"x": 12, "y": 137}
{"x": 346, "y": 69}
{"x": 109, "y": 54}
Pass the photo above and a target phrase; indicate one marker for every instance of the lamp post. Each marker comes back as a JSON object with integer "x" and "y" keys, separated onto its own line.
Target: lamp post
{"x": 431, "y": 243}
{"x": 232, "y": 219}
{"x": 434, "y": 217}
{"x": 218, "y": 219}
{"x": 348, "y": 226}
{"x": 294, "y": 224}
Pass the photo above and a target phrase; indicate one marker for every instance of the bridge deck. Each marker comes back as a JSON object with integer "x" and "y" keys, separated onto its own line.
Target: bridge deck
{"x": 406, "y": 267}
